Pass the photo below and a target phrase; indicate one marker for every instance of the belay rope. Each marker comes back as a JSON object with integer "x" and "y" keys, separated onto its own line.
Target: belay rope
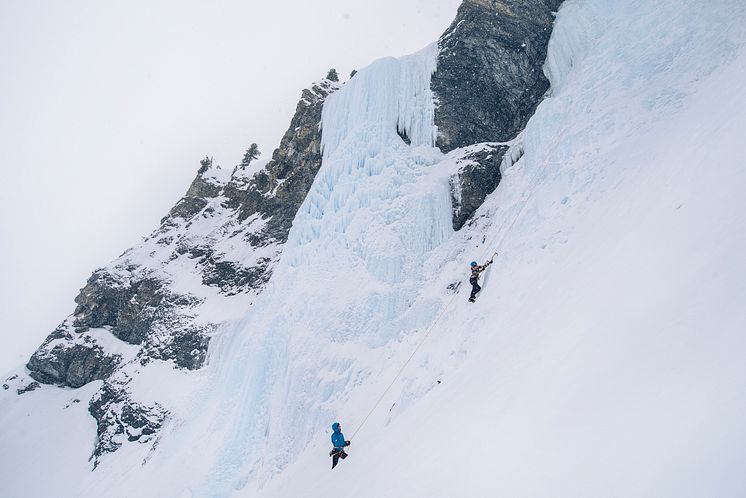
{"x": 445, "y": 308}
{"x": 404, "y": 365}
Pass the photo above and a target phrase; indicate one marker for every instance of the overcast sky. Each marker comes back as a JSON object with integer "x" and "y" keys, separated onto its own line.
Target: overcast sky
{"x": 107, "y": 107}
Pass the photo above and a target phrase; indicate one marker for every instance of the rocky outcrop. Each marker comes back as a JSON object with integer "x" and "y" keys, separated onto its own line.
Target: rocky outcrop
{"x": 137, "y": 306}
{"x": 195, "y": 199}
{"x": 127, "y": 305}
{"x": 221, "y": 239}
{"x": 489, "y": 76}
{"x": 121, "y": 419}
{"x": 69, "y": 359}
{"x": 33, "y": 386}
{"x": 489, "y": 79}
{"x": 476, "y": 178}
{"x": 276, "y": 192}
{"x": 133, "y": 297}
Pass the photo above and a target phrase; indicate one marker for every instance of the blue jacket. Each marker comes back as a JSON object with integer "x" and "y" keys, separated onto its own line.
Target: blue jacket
{"x": 338, "y": 439}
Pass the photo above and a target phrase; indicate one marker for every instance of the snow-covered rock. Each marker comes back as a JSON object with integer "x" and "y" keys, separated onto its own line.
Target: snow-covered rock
{"x": 487, "y": 85}
{"x": 164, "y": 299}
{"x": 489, "y": 76}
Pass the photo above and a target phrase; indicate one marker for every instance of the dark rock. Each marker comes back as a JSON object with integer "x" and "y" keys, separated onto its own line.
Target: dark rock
{"x": 276, "y": 192}
{"x": 196, "y": 198}
{"x": 478, "y": 176}
{"x": 183, "y": 342}
{"x": 121, "y": 419}
{"x": 187, "y": 207}
{"x": 332, "y": 75}
{"x": 71, "y": 403}
{"x": 128, "y": 306}
{"x": 489, "y": 76}
{"x": 32, "y": 386}
{"x": 136, "y": 308}
{"x": 403, "y": 135}
{"x": 187, "y": 349}
{"x": 232, "y": 278}
{"x": 488, "y": 82}
{"x": 63, "y": 361}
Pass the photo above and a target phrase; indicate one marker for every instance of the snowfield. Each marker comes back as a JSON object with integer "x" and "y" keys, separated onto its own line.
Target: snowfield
{"x": 606, "y": 355}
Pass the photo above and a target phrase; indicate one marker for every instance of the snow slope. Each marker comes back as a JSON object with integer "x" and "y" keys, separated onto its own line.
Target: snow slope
{"x": 605, "y": 354}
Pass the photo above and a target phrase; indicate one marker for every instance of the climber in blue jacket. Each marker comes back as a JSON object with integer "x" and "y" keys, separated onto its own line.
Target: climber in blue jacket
{"x": 339, "y": 443}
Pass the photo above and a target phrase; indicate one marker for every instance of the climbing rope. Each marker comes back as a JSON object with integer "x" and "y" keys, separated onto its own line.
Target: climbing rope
{"x": 448, "y": 304}
{"x": 404, "y": 365}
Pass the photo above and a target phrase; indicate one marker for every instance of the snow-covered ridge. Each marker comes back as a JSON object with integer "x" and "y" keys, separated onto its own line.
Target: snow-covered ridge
{"x": 144, "y": 321}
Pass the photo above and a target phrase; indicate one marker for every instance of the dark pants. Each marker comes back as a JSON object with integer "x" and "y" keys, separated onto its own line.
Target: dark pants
{"x": 336, "y": 454}
{"x": 475, "y": 287}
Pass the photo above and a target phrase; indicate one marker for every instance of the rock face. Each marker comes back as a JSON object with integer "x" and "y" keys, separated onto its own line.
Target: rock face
{"x": 129, "y": 306}
{"x": 477, "y": 177}
{"x": 276, "y": 192}
{"x": 64, "y": 361}
{"x": 216, "y": 248}
{"x": 489, "y": 77}
{"x": 121, "y": 419}
{"x": 489, "y": 80}
{"x": 138, "y": 307}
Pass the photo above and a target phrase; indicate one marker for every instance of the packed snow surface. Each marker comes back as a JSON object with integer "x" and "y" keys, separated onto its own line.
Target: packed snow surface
{"x": 605, "y": 355}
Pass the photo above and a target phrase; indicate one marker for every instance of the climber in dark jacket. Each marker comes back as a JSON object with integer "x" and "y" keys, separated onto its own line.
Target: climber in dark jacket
{"x": 476, "y": 270}
{"x": 339, "y": 443}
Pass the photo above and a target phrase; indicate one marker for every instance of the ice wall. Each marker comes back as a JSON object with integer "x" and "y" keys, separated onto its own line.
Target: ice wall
{"x": 365, "y": 161}
{"x": 347, "y": 284}
{"x": 389, "y": 94}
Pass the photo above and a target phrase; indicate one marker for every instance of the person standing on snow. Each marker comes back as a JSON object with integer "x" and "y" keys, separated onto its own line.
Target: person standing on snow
{"x": 339, "y": 443}
{"x": 476, "y": 270}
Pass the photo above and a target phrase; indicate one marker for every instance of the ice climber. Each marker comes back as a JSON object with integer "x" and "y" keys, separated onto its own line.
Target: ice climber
{"x": 476, "y": 270}
{"x": 339, "y": 443}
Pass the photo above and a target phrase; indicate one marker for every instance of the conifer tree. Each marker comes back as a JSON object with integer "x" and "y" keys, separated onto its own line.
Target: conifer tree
{"x": 205, "y": 163}
{"x": 251, "y": 153}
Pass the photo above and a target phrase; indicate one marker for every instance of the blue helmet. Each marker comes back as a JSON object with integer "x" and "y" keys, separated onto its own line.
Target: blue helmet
{"x": 473, "y": 263}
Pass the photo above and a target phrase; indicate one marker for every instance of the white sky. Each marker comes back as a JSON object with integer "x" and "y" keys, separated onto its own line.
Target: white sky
{"x": 107, "y": 107}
